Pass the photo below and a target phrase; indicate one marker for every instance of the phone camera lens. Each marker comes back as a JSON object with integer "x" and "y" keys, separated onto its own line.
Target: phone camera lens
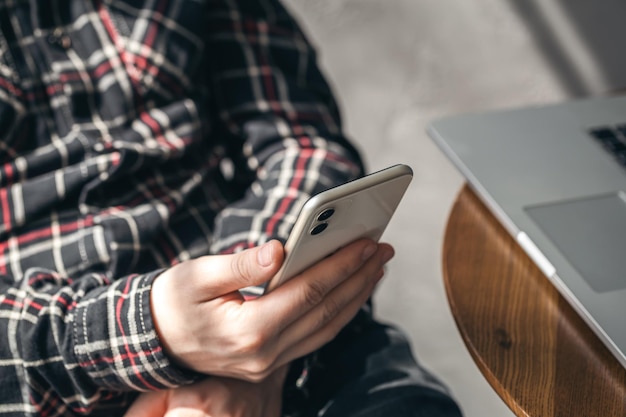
{"x": 319, "y": 228}
{"x": 326, "y": 214}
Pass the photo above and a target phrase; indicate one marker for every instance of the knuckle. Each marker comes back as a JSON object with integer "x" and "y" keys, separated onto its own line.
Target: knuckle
{"x": 330, "y": 310}
{"x": 241, "y": 267}
{"x": 258, "y": 357}
{"x": 347, "y": 268}
{"x": 314, "y": 293}
{"x": 259, "y": 369}
{"x": 252, "y": 344}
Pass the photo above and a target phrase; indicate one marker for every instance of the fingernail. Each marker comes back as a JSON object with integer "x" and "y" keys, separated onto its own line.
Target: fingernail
{"x": 369, "y": 251}
{"x": 264, "y": 255}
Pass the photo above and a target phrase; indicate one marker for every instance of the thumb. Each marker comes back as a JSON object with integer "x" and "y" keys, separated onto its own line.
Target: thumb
{"x": 250, "y": 267}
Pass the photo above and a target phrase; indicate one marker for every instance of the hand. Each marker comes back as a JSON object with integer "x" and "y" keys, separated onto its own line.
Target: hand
{"x": 215, "y": 397}
{"x": 204, "y": 323}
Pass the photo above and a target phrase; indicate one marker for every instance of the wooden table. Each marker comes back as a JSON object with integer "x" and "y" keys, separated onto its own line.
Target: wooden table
{"x": 533, "y": 349}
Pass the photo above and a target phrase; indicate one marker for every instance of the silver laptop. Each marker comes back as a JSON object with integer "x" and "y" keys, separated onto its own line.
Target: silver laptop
{"x": 555, "y": 177}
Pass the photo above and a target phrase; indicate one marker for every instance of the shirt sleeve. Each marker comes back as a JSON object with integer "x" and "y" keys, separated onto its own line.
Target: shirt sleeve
{"x": 68, "y": 346}
{"x": 83, "y": 344}
{"x": 276, "y": 110}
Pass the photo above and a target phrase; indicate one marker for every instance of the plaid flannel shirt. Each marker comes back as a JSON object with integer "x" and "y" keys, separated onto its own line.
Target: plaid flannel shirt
{"x": 134, "y": 135}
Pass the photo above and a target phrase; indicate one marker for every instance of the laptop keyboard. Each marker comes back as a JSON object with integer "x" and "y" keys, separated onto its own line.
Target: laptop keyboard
{"x": 613, "y": 139}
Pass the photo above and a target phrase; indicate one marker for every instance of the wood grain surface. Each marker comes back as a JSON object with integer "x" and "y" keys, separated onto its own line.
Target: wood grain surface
{"x": 533, "y": 349}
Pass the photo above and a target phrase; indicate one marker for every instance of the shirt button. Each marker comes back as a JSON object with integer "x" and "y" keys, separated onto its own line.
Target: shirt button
{"x": 60, "y": 38}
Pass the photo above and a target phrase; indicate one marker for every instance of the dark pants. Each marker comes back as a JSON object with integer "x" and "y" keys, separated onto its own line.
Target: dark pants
{"x": 367, "y": 371}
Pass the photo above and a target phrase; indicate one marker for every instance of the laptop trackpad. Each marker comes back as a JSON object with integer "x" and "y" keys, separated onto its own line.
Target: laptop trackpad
{"x": 591, "y": 234}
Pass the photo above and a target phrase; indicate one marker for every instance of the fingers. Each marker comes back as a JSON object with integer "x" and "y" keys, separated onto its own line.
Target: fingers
{"x": 297, "y": 296}
{"x": 331, "y": 291}
{"x": 322, "y": 323}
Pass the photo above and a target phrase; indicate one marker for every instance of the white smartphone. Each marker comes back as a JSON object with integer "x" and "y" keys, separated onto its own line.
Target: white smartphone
{"x": 340, "y": 215}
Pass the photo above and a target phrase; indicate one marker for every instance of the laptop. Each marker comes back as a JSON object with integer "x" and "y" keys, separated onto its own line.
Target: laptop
{"x": 555, "y": 177}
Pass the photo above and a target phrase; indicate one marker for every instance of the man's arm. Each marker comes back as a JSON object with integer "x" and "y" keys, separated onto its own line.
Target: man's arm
{"x": 79, "y": 343}
{"x": 278, "y": 112}
{"x": 71, "y": 343}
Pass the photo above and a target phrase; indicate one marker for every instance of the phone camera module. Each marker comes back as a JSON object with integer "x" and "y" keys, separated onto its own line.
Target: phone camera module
{"x": 319, "y": 228}
{"x": 326, "y": 214}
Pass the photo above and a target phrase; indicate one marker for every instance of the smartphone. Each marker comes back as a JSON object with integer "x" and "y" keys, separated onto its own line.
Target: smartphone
{"x": 340, "y": 215}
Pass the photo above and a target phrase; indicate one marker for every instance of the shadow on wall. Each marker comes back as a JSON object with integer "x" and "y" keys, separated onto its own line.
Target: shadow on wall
{"x": 583, "y": 41}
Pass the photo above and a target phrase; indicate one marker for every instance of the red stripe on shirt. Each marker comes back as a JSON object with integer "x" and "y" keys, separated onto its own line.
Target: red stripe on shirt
{"x": 305, "y": 156}
{"x": 6, "y": 214}
{"x": 18, "y": 304}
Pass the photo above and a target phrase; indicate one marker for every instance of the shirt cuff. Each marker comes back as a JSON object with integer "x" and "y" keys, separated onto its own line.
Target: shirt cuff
{"x": 116, "y": 343}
